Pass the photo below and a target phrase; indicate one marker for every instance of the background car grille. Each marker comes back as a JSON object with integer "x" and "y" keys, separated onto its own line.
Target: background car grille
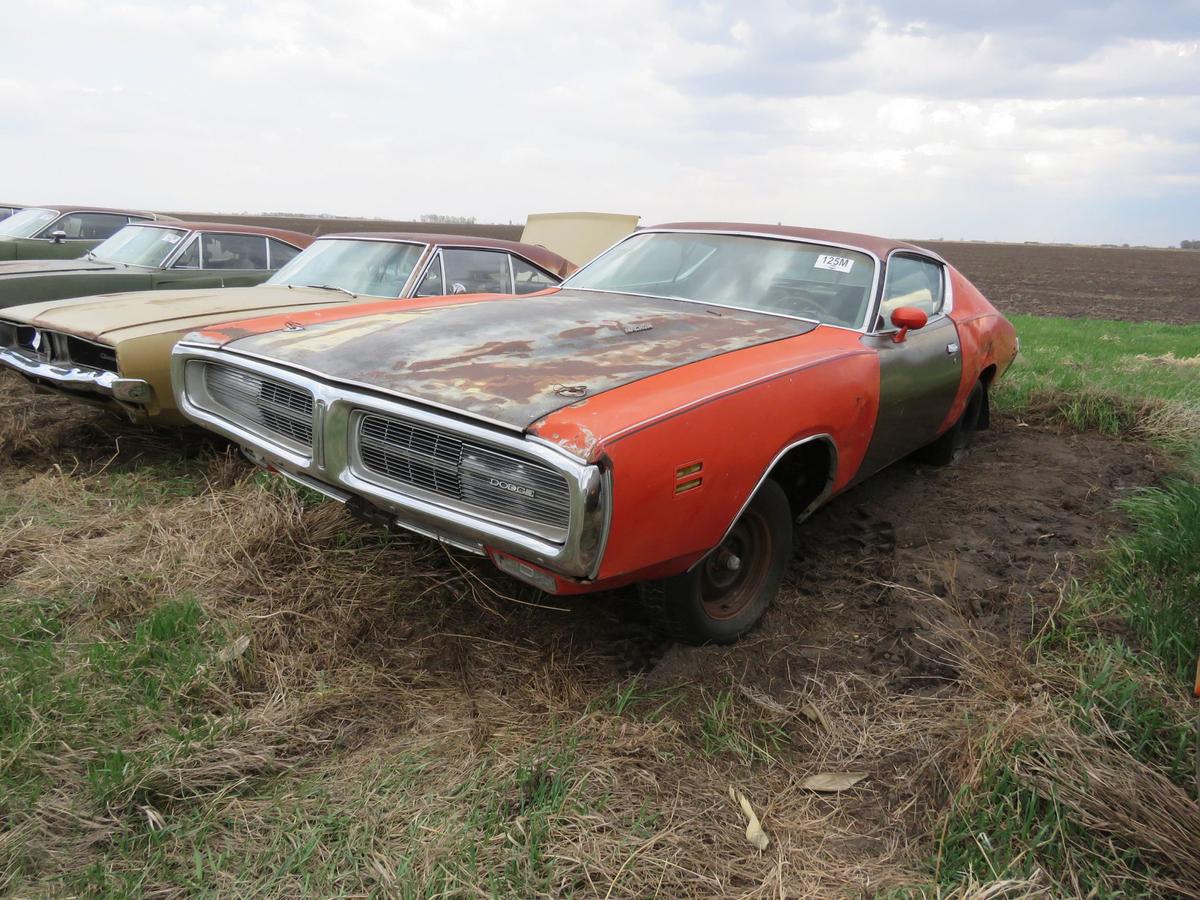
{"x": 278, "y": 407}
{"x": 57, "y": 347}
{"x": 85, "y": 353}
{"x": 443, "y": 463}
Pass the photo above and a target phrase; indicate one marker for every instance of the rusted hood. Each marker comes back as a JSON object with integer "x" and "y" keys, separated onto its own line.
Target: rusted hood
{"x": 51, "y": 266}
{"x": 513, "y": 360}
{"x": 114, "y": 317}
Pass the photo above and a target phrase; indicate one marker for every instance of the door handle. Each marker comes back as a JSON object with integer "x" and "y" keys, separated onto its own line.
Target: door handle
{"x": 952, "y": 348}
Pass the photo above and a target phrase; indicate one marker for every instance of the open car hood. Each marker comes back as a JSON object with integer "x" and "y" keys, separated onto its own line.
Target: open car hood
{"x": 513, "y": 360}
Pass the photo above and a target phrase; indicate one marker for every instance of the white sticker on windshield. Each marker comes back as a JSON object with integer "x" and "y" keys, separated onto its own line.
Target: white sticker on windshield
{"x": 171, "y": 238}
{"x": 836, "y": 263}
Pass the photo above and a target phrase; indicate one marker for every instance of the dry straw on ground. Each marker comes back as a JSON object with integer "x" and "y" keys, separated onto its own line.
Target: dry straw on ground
{"x": 451, "y": 728}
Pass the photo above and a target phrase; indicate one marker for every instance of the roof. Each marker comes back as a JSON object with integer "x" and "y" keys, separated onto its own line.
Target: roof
{"x": 880, "y": 246}
{"x": 540, "y": 256}
{"x": 298, "y": 238}
{"x": 83, "y": 207}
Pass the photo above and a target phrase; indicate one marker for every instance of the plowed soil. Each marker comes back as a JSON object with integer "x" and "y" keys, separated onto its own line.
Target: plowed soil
{"x": 1128, "y": 284}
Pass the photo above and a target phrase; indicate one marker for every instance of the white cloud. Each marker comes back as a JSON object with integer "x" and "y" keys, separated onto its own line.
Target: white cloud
{"x": 846, "y": 115}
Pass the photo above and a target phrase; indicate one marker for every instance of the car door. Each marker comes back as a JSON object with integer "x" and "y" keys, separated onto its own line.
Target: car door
{"x": 919, "y": 376}
{"x": 217, "y": 259}
{"x": 461, "y": 270}
{"x": 74, "y": 234}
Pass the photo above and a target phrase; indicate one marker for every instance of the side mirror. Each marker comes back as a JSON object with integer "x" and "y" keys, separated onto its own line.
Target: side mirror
{"x": 58, "y": 236}
{"x": 908, "y": 318}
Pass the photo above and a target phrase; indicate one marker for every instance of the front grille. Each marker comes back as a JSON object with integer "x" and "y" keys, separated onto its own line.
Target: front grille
{"x": 444, "y": 464}
{"x": 58, "y": 348}
{"x": 280, "y": 408}
{"x": 85, "y": 353}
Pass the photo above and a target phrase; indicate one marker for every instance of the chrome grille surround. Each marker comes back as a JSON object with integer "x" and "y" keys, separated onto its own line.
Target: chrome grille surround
{"x": 285, "y": 411}
{"x": 416, "y": 456}
{"x": 410, "y": 476}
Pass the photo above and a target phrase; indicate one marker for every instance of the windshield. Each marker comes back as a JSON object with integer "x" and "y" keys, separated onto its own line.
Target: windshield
{"x": 831, "y": 285}
{"x": 27, "y": 222}
{"x": 139, "y": 245}
{"x": 374, "y": 268}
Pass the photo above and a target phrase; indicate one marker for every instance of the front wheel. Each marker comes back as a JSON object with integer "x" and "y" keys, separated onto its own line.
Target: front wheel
{"x": 726, "y": 593}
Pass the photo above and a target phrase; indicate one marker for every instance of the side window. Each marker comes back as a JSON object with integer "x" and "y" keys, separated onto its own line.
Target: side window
{"x": 477, "y": 272}
{"x": 431, "y": 284}
{"x": 912, "y": 281}
{"x": 190, "y": 257}
{"x": 281, "y": 253}
{"x": 86, "y": 226}
{"x": 234, "y": 251}
{"x": 529, "y": 278}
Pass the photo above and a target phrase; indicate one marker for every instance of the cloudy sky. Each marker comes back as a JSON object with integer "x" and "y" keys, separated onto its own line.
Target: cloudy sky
{"x": 1007, "y": 120}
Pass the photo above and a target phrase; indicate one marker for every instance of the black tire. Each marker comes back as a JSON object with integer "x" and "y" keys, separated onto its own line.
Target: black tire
{"x": 954, "y": 444}
{"x": 716, "y": 603}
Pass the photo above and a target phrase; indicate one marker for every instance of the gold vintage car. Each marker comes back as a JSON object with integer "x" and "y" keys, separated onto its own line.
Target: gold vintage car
{"x": 115, "y": 350}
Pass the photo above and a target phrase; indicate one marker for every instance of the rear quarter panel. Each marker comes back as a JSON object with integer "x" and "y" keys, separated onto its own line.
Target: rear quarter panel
{"x": 986, "y": 337}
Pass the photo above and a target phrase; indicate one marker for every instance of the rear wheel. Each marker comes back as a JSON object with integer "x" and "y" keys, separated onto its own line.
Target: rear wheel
{"x": 954, "y": 444}
{"x": 726, "y": 594}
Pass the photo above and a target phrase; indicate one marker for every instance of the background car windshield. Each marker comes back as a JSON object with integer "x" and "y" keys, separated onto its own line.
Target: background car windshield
{"x": 27, "y": 222}
{"x": 811, "y": 281}
{"x": 375, "y": 268}
{"x": 137, "y": 245}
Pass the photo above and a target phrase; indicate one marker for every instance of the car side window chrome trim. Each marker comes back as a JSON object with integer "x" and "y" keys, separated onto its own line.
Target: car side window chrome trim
{"x": 947, "y": 290}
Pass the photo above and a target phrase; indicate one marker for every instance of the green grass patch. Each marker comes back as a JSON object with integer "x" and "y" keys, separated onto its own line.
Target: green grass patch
{"x": 87, "y": 713}
{"x": 1114, "y": 377}
{"x": 1155, "y": 573}
{"x": 1127, "y": 638}
{"x": 727, "y": 730}
{"x": 1131, "y": 689}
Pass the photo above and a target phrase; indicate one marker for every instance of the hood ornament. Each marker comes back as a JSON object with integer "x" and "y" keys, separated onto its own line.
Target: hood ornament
{"x": 636, "y": 327}
{"x": 290, "y": 325}
{"x": 571, "y": 390}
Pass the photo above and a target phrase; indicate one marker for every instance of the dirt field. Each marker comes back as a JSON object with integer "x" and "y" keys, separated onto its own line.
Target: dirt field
{"x": 1132, "y": 285}
{"x": 857, "y": 668}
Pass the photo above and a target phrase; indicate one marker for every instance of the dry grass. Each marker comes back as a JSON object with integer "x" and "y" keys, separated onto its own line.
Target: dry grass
{"x": 327, "y": 709}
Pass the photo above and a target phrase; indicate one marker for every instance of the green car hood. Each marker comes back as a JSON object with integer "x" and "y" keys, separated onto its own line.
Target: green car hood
{"x": 54, "y": 266}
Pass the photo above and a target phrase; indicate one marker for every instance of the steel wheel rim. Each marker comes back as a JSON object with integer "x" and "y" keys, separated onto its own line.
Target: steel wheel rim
{"x": 725, "y": 592}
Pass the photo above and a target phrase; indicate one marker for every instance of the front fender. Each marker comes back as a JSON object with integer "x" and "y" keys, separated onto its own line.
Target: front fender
{"x": 680, "y": 483}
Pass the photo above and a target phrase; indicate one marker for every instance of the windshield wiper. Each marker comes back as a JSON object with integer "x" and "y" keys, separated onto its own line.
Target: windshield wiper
{"x": 332, "y": 287}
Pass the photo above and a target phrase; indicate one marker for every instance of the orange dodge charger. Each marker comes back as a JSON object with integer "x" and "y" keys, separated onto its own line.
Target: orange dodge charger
{"x": 665, "y": 417}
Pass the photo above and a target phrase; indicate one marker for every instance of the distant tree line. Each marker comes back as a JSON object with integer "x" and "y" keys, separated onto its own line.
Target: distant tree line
{"x": 448, "y": 220}
{"x": 1190, "y": 245}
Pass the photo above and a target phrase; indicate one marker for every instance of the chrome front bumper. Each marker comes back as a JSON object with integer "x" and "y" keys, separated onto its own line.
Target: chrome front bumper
{"x": 70, "y": 377}
{"x": 329, "y": 467}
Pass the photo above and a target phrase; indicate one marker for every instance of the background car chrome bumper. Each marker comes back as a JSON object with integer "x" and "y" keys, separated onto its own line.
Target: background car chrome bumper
{"x": 103, "y": 383}
{"x": 68, "y": 376}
